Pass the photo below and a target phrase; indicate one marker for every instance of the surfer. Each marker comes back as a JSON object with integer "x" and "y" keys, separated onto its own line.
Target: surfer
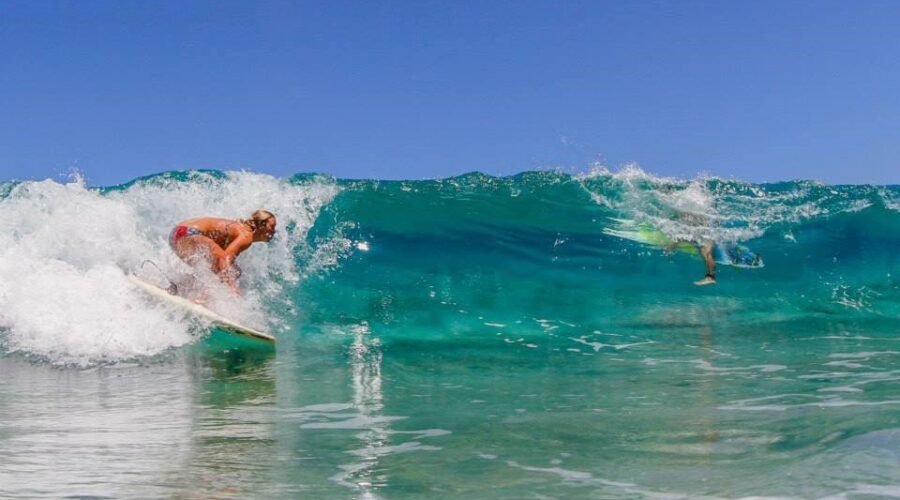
{"x": 215, "y": 243}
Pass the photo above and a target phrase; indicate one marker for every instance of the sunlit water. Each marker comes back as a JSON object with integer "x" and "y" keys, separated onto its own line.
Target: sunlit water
{"x": 468, "y": 338}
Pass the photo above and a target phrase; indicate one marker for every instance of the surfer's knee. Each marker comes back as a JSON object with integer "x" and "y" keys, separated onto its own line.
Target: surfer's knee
{"x": 232, "y": 272}
{"x": 706, "y": 250}
{"x": 195, "y": 253}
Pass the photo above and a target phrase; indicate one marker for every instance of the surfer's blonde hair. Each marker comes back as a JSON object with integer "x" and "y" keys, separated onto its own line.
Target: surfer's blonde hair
{"x": 258, "y": 219}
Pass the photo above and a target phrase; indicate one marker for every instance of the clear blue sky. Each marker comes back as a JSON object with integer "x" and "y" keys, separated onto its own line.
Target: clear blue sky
{"x": 420, "y": 89}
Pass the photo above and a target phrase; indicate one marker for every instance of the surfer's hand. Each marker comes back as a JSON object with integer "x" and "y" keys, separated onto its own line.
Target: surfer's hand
{"x": 229, "y": 280}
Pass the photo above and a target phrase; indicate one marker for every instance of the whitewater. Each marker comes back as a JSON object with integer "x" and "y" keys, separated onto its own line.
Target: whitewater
{"x": 474, "y": 336}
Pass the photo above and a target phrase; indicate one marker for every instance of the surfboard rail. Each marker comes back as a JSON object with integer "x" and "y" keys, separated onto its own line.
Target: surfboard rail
{"x": 213, "y": 317}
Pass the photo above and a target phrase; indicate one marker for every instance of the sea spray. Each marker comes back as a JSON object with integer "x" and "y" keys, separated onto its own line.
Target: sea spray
{"x": 65, "y": 249}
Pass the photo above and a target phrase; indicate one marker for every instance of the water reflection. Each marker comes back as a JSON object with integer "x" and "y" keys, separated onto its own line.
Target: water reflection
{"x": 368, "y": 401}
{"x": 187, "y": 423}
{"x": 71, "y": 432}
{"x": 232, "y": 436}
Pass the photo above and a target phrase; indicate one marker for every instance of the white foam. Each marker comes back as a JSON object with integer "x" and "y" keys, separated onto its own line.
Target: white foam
{"x": 891, "y": 198}
{"x": 64, "y": 250}
{"x": 600, "y": 345}
{"x": 709, "y": 208}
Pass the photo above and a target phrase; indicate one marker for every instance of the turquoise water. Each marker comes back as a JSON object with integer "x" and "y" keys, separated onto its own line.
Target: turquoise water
{"x": 473, "y": 337}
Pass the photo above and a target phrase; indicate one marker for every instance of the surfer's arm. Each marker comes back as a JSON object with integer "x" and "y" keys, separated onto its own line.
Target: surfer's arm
{"x": 225, "y": 266}
{"x": 238, "y": 245}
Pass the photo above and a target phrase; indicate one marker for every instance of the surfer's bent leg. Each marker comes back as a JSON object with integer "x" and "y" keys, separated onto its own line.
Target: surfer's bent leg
{"x": 199, "y": 250}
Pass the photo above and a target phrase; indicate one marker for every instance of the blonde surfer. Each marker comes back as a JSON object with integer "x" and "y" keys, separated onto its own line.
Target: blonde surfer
{"x": 215, "y": 243}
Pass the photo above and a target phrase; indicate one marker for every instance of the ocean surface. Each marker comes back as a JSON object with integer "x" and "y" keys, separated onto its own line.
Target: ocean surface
{"x": 470, "y": 337}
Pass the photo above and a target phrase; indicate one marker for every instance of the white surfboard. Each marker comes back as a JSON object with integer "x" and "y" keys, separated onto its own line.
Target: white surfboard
{"x": 215, "y": 318}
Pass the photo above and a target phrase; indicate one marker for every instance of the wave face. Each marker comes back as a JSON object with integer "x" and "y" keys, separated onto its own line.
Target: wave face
{"x": 427, "y": 258}
{"x": 471, "y": 337}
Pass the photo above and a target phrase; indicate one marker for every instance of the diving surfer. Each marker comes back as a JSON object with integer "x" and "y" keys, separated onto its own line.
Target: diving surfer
{"x": 215, "y": 243}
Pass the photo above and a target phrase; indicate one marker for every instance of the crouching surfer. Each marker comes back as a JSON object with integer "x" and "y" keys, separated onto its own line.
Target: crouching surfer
{"x": 215, "y": 243}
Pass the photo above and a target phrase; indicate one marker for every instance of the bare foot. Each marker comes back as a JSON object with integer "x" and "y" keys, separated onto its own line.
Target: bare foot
{"x": 707, "y": 280}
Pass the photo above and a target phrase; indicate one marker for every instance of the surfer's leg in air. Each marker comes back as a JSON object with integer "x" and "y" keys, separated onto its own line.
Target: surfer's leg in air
{"x": 706, "y": 251}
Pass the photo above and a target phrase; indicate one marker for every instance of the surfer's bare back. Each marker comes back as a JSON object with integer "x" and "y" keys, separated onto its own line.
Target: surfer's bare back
{"x": 215, "y": 243}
